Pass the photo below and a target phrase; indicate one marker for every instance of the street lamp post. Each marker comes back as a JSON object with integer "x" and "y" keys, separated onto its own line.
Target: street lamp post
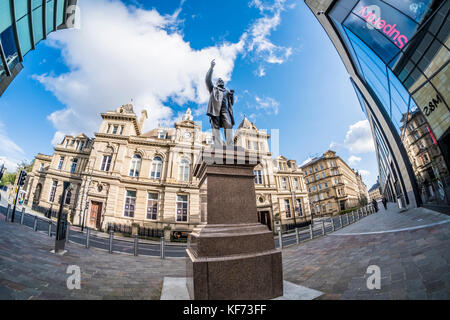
{"x": 294, "y": 205}
{"x": 61, "y": 227}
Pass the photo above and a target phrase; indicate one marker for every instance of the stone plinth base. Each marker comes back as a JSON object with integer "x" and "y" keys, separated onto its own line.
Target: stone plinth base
{"x": 231, "y": 256}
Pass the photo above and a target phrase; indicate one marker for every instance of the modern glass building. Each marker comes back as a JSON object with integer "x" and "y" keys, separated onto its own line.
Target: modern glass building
{"x": 23, "y": 23}
{"x": 397, "y": 53}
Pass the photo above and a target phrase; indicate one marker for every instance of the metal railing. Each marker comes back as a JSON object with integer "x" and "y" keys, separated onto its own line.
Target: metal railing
{"x": 326, "y": 226}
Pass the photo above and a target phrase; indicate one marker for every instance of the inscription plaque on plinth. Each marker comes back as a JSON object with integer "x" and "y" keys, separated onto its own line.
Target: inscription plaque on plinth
{"x": 230, "y": 254}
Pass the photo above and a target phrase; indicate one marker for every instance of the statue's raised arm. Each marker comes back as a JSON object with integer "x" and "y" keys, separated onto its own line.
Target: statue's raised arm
{"x": 209, "y": 83}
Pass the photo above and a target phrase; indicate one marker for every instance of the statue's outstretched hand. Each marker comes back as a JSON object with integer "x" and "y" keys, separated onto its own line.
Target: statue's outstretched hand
{"x": 213, "y": 63}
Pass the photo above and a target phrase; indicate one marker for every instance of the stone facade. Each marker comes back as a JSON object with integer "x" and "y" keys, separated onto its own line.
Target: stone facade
{"x": 332, "y": 185}
{"x": 374, "y": 192}
{"x": 131, "y": 178}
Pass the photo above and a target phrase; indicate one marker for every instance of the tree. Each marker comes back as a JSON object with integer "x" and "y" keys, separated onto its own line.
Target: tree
{"x": 8, "y": 178}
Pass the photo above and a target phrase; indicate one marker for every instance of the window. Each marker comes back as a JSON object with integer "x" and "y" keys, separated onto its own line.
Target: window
{"x": 330, "y": 206}
{"x": 121, "y": 129}
{"x": 324, "y": 208}
{"x": 295, "y": 183}
{"x": 61, "y": 162}
{"x": 130, "y": 202}
{"x": 314, "y": 188}
{"x": 258, "y": 176}
{"x": 115, "y": 128}
{"x": 321, "y": 167}
{"x": 325, "y": 184}
{"x": 183, "y": 170}
{"x": 74, "y": 165}
{"x": 283, "y": 183}
{"x": 312, "y": 179}
{"x": 82, "y": 145}
{"x": 42, "y": 167}
{"x": 162, "y": 134}
{"x": 135, "y": 165}
{"x": 155, "y": 172}
{"x": 208, "y": 140}
{"x": 323, "y": 175}
{"x": 106, "y": 163}
{"x": 182, "y": 207}
{"x": 299, "y": 207}
{"x": 317, "y": 209}
{"x": 255, "y": 145}
{"x": 320, "y": 186}
{"x": 78, "y": 145}
{"x": 315, "y": 169}
{"x": 307, "y": 180}
{"x": 322, "y": 196}
{"x": 317, "y": 176}
{"x": 310, "y": 171}
{"x": 68, "y": 196}
{"x": 53, "y": 191}
{"x": 109, "y": 128}
{"x": 316, "y": 198}
{"x": 288, "y": 208}
{"x": 152, "y": 206}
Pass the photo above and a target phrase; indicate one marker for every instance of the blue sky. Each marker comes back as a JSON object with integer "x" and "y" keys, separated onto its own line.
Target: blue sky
{"x": 286, "y": 73}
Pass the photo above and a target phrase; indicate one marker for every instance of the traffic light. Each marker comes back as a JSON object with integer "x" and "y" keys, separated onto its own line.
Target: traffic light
{"x": 2, "y": 170}
{"x": 22, "y": 177}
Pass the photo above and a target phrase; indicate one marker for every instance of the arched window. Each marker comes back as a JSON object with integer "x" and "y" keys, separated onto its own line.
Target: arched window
{"x": 68, "y": 196}
{"x": 37, "y": 194}
{"x": 135, "y": 166}
{"x": 155, "y": 172}
{"x": 184, "y": 170}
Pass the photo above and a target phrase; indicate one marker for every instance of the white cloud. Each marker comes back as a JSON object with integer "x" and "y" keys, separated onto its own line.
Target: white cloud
{"x": 267, "y": 104}
{"x": 364, "y": 173}
{"x": 260, "y": 31}
{"x": 122, "y": 53}
{"x": 359, "y": 138}
{"x": 10, "y": 152}
{"x": 354, "y": 160}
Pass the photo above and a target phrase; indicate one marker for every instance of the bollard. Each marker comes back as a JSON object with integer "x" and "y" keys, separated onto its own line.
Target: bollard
{"x": 35, "y": 223}
{"x": 7, "y": 212}
{"x": 88, "y": 235}
{"x": 111, "y": 237}
{"x": 353, "y": 216}
{"x": 340, "y": 220}
{"x": 357, "y": 214}
{"x": 311, "y": 232}
{"x": 332, "y": 224}
{"x": 136, "y": 243}
{"x": 67, "y": 232}
{"x": 162, "y": 247}
{"x": 22, "y": 216}
{"x": 323, "y": 226}
{"x": 50, "y": 229}
{"x": 346, "y": 216}
{"x": 296, "y": 236}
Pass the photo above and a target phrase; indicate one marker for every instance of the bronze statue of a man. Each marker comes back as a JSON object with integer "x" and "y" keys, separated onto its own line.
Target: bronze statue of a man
{"x": 220, "y": 108}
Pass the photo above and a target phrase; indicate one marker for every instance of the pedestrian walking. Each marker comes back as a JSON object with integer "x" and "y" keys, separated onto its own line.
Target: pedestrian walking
{"x": 384, "y": 203}
{"x": 375, "y": 205}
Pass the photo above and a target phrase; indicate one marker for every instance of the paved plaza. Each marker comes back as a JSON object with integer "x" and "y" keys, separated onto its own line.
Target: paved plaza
{"x": 411, "y": 249}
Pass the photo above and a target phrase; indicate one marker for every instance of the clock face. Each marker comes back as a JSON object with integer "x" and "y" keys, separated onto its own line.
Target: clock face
{"x": 187, "y": 134}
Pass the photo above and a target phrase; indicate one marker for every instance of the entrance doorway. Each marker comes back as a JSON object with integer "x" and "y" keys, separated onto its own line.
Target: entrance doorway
{"x": 264, "y": 218}
{"x": 95, "y": 215}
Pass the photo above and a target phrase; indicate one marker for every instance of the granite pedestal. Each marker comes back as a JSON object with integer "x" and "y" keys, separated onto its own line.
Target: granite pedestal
{"x": 230, "y": 254}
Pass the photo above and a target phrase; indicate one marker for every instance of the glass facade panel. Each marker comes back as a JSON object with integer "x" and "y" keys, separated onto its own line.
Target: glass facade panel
{"x": 406, "y": 71}
{"x": 23, "y": 29}
{"x": 9, "y": 47}
{"x": 38, "y": 25}
{"x": 60, "y": 13}
{"x": 21, "y": 8}
{"x": 5, "y": 15}
{"x": 49, "y": 15}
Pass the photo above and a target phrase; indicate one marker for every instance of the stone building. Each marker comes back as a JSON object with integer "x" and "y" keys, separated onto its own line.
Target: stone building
{"x": 332, "y": 185}
{"x": 374, "y": 192}
{"x": 127, "y": 177}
